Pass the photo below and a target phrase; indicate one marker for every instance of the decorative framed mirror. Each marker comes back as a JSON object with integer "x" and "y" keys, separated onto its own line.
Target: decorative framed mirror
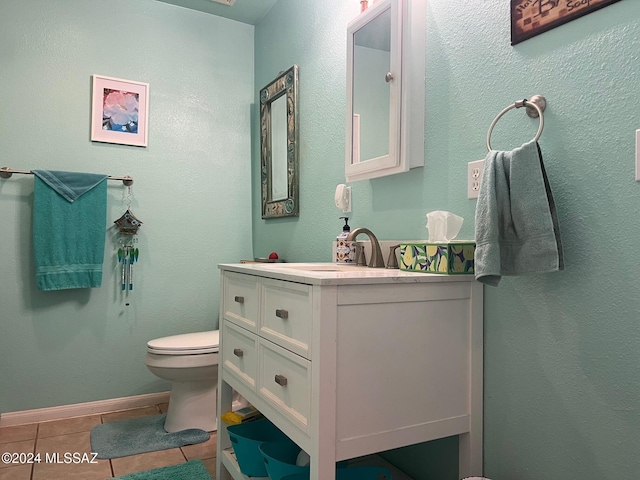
{"x": 279, "y": 146}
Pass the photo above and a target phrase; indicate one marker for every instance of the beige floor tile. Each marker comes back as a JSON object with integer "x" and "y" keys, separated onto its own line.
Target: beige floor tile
{"x": 210, "y": 464}
{"x": 73, "y": 435}
{"x": 68, "y": 425}
{"x": 20, "y": 472}
{"x": 71, "y": 471}
{"x": 18, "y": 432}
{"x": 201, "y": 450}
{"x": 25, "y": 446}
{"x": 56, "y": 465}
{"x": 73, "y": 442}
{"x": 146, "y": 461}
{"x": 133, "y": 413}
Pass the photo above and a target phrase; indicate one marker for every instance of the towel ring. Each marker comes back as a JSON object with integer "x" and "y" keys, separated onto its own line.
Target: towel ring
{"x": 535, "y": 106}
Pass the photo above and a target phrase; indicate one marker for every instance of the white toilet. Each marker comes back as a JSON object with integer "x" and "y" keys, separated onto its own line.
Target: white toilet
{"x": 190, "y": 361}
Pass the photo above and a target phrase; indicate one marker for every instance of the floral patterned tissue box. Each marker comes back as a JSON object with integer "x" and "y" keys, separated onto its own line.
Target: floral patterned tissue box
{"x": 448, "y": 258}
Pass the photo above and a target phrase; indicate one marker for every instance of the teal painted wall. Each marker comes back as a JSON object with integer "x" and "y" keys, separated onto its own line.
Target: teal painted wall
{"x": 562, "y": 350}
{"x": 191, "y": 186}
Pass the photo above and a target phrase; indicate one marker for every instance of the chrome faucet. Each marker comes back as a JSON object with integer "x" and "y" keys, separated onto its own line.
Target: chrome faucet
{"x": 376, "y": 254}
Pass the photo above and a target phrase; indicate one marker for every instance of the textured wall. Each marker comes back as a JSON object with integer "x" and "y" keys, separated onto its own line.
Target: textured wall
{"x": 191, "y": 190}
{"x": 562, "y": 350}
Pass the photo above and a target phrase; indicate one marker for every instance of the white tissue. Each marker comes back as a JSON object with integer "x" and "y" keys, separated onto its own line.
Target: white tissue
{"x": 443, "y": 226}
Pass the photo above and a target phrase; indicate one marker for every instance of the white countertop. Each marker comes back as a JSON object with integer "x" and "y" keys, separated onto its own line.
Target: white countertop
{"x": 338, "y": 274}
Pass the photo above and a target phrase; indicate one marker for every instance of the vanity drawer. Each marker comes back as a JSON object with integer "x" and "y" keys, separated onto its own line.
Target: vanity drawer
{"x": 284, "y": 381}
{"x": 241, "y": 300}
{"x": 285, "y": 315}
{"x": 240, "y": 354}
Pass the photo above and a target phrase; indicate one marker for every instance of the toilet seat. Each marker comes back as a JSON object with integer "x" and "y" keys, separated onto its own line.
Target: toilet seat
{"x": 198, "y": 343}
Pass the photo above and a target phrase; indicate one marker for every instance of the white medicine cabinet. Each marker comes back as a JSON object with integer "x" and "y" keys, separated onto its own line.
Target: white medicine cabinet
{"x": 385, "y": 89}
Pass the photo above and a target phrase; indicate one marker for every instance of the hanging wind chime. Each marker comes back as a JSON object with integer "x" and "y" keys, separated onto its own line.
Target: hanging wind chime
{"x": 128, "y": 226}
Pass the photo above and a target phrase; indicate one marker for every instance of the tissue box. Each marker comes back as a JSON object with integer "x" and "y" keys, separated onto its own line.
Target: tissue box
{"x": 456, "y": 257}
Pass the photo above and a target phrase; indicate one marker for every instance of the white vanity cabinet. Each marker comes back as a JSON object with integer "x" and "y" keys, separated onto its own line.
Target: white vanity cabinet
{"x": 350, "y": 363}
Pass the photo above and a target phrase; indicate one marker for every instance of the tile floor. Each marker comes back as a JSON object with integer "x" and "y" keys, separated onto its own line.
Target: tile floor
{"x": 72, "y": 435}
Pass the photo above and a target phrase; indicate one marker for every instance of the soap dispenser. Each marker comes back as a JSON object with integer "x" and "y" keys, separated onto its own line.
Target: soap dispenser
{"x": 345, "y": 250}
{"x": 346, "y": 229}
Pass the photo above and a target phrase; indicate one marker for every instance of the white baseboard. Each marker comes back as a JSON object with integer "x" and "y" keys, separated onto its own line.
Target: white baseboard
{"x": 81, "y": 409}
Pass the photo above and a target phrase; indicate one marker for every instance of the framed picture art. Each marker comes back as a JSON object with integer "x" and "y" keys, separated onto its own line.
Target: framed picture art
{"x": 533, "y": 17}
{"x": 120, "y": 112}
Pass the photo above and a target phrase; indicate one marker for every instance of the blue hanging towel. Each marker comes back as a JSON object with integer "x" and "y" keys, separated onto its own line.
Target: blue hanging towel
{"x": 517, "y": 228}
{"x": 69, "y": 224}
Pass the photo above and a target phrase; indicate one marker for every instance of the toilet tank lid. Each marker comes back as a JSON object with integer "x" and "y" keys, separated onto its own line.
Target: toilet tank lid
{"x": 187, "y": 341}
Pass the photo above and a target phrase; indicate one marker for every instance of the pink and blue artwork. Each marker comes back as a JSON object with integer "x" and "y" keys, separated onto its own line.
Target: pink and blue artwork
{"x": 120, "y": 111}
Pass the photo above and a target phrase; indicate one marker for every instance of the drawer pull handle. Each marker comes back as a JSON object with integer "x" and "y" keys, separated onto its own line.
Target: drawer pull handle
{"x": 238, "y": 299}
{"x": 238, "y": 352}
{"x": 281, "y": 380}
{"x": 282, "y": 313}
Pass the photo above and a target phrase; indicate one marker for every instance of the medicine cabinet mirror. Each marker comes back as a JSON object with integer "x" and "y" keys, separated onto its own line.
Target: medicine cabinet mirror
{"x": 279, "y": 146}
{"x": 385, "y": 89}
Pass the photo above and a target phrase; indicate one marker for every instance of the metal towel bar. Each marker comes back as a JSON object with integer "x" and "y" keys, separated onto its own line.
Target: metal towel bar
{"x": 535, "y": 107}
{"x": 6, "y": 172}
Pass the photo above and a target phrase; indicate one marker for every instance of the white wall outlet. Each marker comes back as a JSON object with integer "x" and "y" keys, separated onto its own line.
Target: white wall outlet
{"x": 637, "y": 155}
{"x": 474, "y": 178}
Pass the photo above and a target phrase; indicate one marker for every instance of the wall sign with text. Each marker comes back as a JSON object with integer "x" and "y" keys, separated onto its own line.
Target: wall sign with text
{"x": 533, "y": 17}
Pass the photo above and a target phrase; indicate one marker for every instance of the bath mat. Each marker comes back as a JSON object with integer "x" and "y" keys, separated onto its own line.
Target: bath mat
{"x": 140, "y": 435}
{"x": 193, "y": 470}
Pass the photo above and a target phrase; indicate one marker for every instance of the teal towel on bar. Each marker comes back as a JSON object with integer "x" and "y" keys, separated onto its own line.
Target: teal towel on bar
{"x": 69, "y": 223}
{"x": 517, "y": 230}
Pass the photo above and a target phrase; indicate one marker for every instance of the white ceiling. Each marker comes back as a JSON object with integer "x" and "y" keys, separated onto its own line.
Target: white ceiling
{"x": 245, "y": 11}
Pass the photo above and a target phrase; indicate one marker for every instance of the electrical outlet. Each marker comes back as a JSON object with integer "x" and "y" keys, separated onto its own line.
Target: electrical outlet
{"x": 474, "y": 178}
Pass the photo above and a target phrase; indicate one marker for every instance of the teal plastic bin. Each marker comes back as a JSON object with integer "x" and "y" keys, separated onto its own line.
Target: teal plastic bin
{"x": 246, "y": 439}
{"x": 280, "y": 459}
{"x": 350, "y": 473}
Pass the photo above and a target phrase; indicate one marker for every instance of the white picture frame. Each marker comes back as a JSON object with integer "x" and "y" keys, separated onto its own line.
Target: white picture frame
{"x": 120, "y": 111}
